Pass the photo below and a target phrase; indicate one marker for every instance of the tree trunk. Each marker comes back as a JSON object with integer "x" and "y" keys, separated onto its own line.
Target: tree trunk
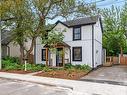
{"x": 28, "y": 53}
{"x": 22, "y": 54}
{"x": 121, "y": 51}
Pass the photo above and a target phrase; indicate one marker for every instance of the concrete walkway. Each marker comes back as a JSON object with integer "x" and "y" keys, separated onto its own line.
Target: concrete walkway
{"x": 87, "y": 88}
{"x": 116, "y": 74}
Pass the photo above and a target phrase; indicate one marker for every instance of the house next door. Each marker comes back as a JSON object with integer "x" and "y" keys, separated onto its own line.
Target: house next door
{"x": 59, "y": 57}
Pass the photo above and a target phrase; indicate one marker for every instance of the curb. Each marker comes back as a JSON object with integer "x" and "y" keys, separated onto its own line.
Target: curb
{"x": 105, "y": 81}
{"x": 34, "y": 81}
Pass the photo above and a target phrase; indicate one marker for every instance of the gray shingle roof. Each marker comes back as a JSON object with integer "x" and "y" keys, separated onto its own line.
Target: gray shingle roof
{"x": 81, "y": 21}
{"x": 6, "y": 37}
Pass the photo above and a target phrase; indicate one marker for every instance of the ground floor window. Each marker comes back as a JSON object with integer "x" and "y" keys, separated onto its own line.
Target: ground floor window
{"x": 43, "y": 54}
{"x": 77, "y": 53}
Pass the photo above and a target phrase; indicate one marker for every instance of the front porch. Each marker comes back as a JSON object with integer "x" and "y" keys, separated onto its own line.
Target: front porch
{"x": 59, "y": 57}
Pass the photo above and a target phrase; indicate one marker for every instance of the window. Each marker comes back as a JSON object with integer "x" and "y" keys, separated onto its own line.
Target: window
{"x": 43, "y": 54}
{"x": 77, "y": 33}
{"x": 77, "y": 53}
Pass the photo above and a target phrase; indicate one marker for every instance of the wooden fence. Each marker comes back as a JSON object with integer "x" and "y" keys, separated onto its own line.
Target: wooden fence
{"x": 117, "y": 60}
{"x": 123, "y": 60}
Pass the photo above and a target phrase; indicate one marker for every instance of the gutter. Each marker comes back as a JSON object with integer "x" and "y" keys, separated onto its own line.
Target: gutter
{"x": 92, "y": 46}
{"x": 35, "y": 53}
{"x": 8, "y": 50}
{"x": 70, "y": 55}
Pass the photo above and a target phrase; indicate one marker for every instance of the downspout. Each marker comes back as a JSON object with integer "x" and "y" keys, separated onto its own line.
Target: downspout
{"x": 92, "y": 46}
{"x": 35, "y": 53}
{"x": 8, "y": 50}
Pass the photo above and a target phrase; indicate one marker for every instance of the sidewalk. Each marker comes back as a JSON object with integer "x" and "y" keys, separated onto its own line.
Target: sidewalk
{"x": 77, "y": 86}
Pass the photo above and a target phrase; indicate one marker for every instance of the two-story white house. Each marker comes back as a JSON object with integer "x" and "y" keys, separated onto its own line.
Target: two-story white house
{"x": 82, "y": 44}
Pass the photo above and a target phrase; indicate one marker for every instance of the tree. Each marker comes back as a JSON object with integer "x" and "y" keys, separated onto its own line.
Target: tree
{"x": 27, "y": 18}
{"x": 114, "y": 39}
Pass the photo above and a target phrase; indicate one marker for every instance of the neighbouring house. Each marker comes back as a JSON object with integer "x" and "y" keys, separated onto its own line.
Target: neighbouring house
{"x": 8, "y": 48}
{"x": 82, "y": 44}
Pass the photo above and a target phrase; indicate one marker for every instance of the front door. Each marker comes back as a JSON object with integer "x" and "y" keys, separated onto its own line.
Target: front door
{"x": 59, "y": 57}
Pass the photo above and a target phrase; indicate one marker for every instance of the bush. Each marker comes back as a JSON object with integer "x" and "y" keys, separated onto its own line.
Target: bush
{"x": 77, "y": 67}
{"x": 47, "y": 69}
{"x": 8, "y": 65}
{"x": 33, "y": 67}
{"x": 68, "y": 66}
{"x": 11, "y": 59}
{"x": 12, "y": 63}
{"x": 83, "y": 67}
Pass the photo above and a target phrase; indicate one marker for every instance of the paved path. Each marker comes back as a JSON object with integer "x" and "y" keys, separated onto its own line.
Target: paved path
{"x": 82, "y": 87}
{"x": 116, "y": 74}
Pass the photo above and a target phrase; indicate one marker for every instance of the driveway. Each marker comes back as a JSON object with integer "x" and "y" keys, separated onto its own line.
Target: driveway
{"x": 14, "y": 87}
{"x": 116, "y": 74}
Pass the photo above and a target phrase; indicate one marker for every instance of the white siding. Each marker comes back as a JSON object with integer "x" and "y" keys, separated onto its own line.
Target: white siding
{"x": 97, "y": 44}
{"x": 38, "y": 51}
{"x": 14, "y": 50}
{"x": 85, "y": 42}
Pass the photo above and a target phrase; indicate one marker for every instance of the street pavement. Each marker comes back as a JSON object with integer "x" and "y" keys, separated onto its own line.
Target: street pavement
{"x": 60, "y": 86}
{"x": 14, "y": 87}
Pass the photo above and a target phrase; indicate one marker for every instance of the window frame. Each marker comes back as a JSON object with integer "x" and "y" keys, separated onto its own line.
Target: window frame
{"x": 42, "y": 56}
{"x": 74, "y": 53}
{"x": 74, "y": 33}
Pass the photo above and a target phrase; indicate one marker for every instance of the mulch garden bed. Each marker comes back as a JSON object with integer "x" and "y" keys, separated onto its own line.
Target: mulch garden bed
{"x": 16, "y": 71}
{"x": 63, "y": 74}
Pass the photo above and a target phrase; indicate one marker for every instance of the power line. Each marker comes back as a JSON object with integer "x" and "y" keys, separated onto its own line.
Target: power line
{"x": 111, "y": 3}
{"x": 96, "y": 2}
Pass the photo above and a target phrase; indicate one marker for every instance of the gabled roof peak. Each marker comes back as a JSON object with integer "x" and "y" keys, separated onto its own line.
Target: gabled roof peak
{"x": 80, "y": 21}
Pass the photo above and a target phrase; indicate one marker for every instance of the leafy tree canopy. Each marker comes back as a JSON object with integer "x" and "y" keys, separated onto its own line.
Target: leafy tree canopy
{"x": 115, "y": 28}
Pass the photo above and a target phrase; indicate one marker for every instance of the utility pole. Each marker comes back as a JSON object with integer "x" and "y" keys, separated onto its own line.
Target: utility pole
{"x": 0, "y": 52}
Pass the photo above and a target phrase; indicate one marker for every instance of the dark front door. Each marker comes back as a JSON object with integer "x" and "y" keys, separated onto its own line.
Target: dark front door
{"x": 59, "y": 57}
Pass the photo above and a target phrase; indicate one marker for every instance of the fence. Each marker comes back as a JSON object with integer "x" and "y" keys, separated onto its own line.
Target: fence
{"x": 117, "y": 60}
{"x": 123, "y": 59}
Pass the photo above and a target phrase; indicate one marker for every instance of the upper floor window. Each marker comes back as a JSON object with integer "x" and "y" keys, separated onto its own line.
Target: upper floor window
{"x": 77, "y": 33}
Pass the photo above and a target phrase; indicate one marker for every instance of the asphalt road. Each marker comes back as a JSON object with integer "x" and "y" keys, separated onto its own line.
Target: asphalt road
{"x": 14, "y": 87}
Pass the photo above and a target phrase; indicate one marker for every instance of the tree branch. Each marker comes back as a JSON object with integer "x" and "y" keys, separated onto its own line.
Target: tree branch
{"x": 8, "y": 19}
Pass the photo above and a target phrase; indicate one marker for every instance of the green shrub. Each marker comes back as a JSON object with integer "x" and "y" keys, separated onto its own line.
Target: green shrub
{"x": 33, "y": 67}
{"x": 47, "y": 69}
{"x": 68, "y": 66}
{"x": 77, "y": 67}
{"x": 12, "y": 63}
{"x": 8, "y": 65}
{"x": 11, "y": 59}
{"x": 83, "y": 67}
